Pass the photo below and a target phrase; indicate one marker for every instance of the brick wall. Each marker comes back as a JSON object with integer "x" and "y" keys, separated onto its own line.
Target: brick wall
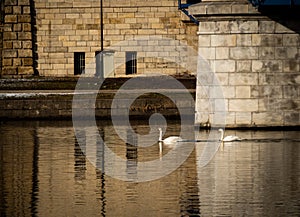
{"x": 257, "y": 61}
{"x": 74, "y": 26}
{"x": 17, "y": 55}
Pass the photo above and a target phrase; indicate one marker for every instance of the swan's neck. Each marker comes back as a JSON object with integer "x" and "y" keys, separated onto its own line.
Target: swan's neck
{"x": 222, "y": 135}
{"x": 160, "y": 136}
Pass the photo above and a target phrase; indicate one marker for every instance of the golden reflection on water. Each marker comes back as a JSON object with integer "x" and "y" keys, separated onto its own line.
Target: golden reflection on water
{"x": 44, "y": 173}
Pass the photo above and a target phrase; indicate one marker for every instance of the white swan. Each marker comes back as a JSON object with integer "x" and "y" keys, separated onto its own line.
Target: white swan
{"x": 228, "y": 138}
{"x": 170, "y": 140}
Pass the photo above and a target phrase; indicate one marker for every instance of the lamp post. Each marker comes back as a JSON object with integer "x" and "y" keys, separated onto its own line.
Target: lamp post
{"x": 99, "y": 54}
{"x": 101, "y": 23}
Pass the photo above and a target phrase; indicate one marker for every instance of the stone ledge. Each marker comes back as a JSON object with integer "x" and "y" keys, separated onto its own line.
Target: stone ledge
{"x": 222, "y": 8}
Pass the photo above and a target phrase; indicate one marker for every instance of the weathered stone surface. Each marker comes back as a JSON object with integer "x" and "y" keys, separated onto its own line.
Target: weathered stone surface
{"x": 265, "y": 55}
{"x": 243, "y": 92}
{"x": 223, "y": 40}
{"x": 244, "y": 53}
{"x": 243, "y": 105}
{"x": 11, "y": 19}
{"x": 17, "y": 39}
{"x": 240, "y": 79}
{"x": 25, "y": 53}
{"x": 243, "y": 118}
{"x": 11, "y": 2}
{"x": 223, "y": 65}
{"x": 292, "y": 119}
{"x": 268, "y": 118}
{"x": 243, "y": 66}
{"x": 10, "y": 53}
{"x": 9, "y": 36}
{"x": 267, "y": 66}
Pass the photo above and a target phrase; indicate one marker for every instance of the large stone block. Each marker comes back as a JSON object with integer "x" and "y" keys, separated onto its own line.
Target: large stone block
{"x": 223, "y": 65}
{"x": 7, "y": 45}
{"x": 243, "y": 118}
{"x": 10, "y": 2}
{"x": 10, "y": 53}
{"x": 291, "y": 118}
{"x": 223, "y": 40}
{"x": 7, "y": 36}
{"x": 267, "y": 40}
{"x": 244, "y": 40}
{"x": 222, "y": 53}
{"x": 25, "y": 70}
{"x": 267, "y": 53}
{"x": 286, "y": 53}
{"x": 24, "y": 18}
{"x": 9, "y": 71}
{"x": 243, "y": 66}
{"x": 243, "y": 105}
{"x": 243, "y": 92}
{"x": 11, "y": 19}
{"x": 291, "y": 91}
{"x": 274, "y": 91}
{"x": 207, "y": 27}
{"x": 291, "y": 65}
{"x": 266, "y": 26}
{"x": 244, "y": 53}
{"x": 267, "y": 66}
{"x": 207, "y": 53}
{"x": 24, "y": 35}
{"x": 291, "y": 40}
{"x": 242, "y": 79}
{"x": 7, "y": 62}
{"x": 24, "y": 2}
{"x": 268, "y": 118}
{"x": 25, "y": 53}
{"x": 243, "y": 26}
{"x": 27, "y": 62}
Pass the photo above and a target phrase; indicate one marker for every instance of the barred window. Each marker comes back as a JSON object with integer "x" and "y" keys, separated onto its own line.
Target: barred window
{"x": 131, "y": 62}
{"x": 79, "y": 63}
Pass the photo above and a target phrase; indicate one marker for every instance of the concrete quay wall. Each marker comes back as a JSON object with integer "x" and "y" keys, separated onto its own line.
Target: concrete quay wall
{"x": 45, "y": 105}
{"x": 53, "y": 98}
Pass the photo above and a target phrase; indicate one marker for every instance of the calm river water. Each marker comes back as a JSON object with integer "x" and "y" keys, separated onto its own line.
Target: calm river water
{"x": 43, "y": 172}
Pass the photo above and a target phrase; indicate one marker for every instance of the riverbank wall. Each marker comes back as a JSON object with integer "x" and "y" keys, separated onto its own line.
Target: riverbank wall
{"x": 53, "y": 99}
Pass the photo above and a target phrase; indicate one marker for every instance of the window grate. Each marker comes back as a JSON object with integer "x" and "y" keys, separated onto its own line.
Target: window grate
{"x": 131, "y": 62}
{"x": 79, "y": 63}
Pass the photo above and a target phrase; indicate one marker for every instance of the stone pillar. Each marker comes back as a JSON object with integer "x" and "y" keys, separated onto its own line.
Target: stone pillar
{"x": 256, "y": 59}
{"x": 17, "y": 59}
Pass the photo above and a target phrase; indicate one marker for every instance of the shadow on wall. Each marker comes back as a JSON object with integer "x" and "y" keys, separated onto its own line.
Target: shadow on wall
{"x": 34, "y": 37}
{"x": 1, "y": 34}
{"x": 287, "y": 16}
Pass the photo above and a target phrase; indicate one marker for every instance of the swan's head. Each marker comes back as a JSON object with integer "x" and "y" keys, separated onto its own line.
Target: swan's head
{"x": 221, "y": 130}
{"x": 159, "y": 129}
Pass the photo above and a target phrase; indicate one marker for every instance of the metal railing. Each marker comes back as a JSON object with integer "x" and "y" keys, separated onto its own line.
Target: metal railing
{"x": 183, "y": 8}
{"x": 258, "y": 3}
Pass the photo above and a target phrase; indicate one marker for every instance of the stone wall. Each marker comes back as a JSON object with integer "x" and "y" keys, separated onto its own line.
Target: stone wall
{"x": 58, "y": 105}
{"x": 17, "y": 54}
{"x": 257, "y": 61}
{"x": 74, "y": 26}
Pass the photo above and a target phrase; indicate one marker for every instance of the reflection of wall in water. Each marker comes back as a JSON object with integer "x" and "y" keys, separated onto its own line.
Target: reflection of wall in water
{"x": 16, "y": 178}
{"x": 65, "y": 178}
{"x": 243, "y": 177}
